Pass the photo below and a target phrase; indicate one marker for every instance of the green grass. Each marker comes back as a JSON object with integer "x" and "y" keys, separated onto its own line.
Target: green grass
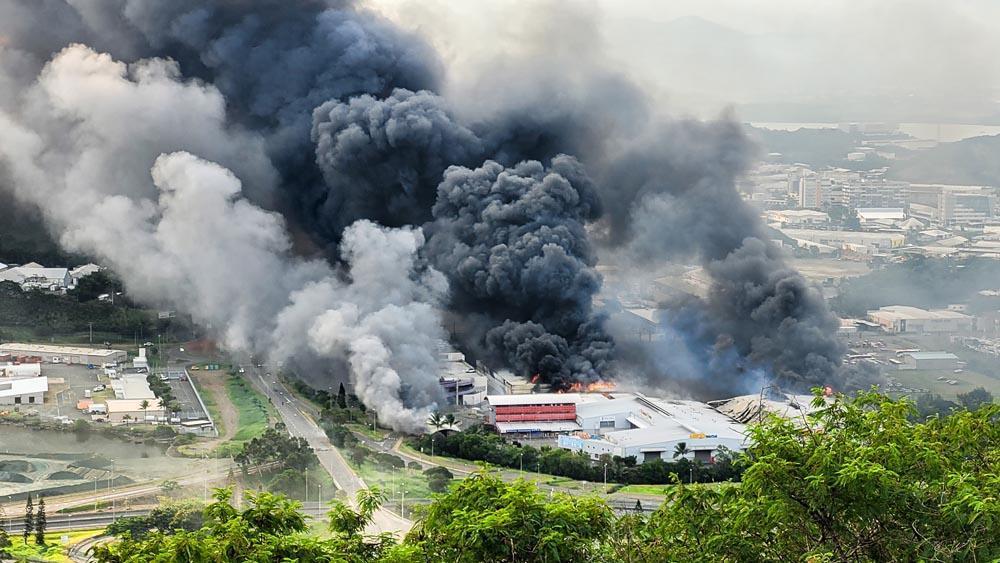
{"x": 366, "y": 429}
{"x": 254, "y": 410}
{"x": 54, "y": 550}
{"x": 208, "y": 398}
{"x": 85, "y": 507}
{"x": 412, "y": 481}
{"x": 660, "y": 490}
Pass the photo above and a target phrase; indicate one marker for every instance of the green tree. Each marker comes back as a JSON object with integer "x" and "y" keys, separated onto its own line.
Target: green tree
{"x": 40, "y": 522}
{"x": 975, "y": 398}
{"x": 681, "y": 450}
{"x": 29, "y": 518}
{"x": 483, "y": 518}
{"x": 91, "y": 286}
{"x": 859, "y": 481}
{"x": 449, "y": 420}
{"x": 436, "y": 420}
{"x": 4, "y": 544}
{"x": 342, "y": 396}
{"x": 169, "y": 487}
{"x": 144, "y": 406}
{"x": 438, "y": 479}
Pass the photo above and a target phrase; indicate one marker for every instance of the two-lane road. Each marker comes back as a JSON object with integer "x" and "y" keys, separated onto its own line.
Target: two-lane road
{"x": 301, "y": 425}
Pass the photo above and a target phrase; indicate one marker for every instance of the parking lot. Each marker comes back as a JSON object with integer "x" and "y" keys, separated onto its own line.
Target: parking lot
{"x": 62, "y": 397}
{"x": 185, "y": 394}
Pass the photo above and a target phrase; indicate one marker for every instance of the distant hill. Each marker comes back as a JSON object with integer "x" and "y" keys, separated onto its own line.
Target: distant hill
{"x": 23, "y": 237}
{"x": 970, "y": 161}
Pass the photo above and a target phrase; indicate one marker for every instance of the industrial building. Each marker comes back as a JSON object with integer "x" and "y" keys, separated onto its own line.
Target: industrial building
{"x": 65, "y": 354}
{"x": 132, "y": 386}
{"x": 798, "y": 218}
{"x": 130, "y": 410}
{"x": 647, "y": 429}
{"x": 904, "y": 319}
{"x": 506, "y": 383}
{"x": 23, "y": 391}
{"x": 461, "y": 383}
{"x": 539, "y": 413}
{"x": 21, "y": 370}
{"x": 949, "y": 205}
{"x": 929, "y": 361}
{"x": 855, "y": 241}
{"x": 36, "y": 276}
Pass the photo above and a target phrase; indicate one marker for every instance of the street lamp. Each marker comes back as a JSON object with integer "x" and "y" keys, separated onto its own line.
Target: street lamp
{"x": 402, "y": 503}
{"x": 433, "y": 438}
{"x": 205, "y": 482}
{"x": 605, "y": 478}
{"x": 111, "y": 487}
{"x": 521, "y": 456}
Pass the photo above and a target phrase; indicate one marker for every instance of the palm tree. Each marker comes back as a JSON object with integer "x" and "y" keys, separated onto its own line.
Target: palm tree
{"x": 449, "y": 420}
{"x": 126, "y": 418}
{"x": 681, "y": 450}
{"x": 436, "y": 420}
{"x": 144, "y": 405}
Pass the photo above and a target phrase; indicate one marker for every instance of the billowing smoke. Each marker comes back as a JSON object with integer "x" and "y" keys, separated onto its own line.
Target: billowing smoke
{"x": 514, "y": 242}
{"x": 320, "y": 119}
{"x": 678, "y": 200}
{"x": 383, "y": 158}
{"x": 109, "y": 174}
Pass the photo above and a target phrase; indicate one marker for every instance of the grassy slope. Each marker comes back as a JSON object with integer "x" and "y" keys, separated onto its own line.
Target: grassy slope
{"x": 254, "y": 410}
{"x": 53, "y": 551}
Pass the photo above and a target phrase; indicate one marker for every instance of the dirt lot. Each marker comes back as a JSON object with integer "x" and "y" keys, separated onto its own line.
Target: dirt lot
{"x": 212, "y": 386}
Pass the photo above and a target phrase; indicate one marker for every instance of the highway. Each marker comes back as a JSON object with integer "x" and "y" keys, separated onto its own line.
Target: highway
{"x": 301, "y": 425}
{"x": 14, "y": 525}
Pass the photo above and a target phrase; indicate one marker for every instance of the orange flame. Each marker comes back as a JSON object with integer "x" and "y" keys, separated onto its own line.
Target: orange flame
{"x": 595, "y": 387}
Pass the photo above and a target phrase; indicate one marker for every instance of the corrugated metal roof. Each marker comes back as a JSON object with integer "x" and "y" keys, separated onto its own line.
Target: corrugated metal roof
{"x": 932, "y": 355}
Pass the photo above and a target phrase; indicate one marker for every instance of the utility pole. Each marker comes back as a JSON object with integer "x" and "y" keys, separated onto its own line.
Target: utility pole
{"x": 111, "y": 487}
{"x": 605, "y": 478}
{"x": 91, "y": 332}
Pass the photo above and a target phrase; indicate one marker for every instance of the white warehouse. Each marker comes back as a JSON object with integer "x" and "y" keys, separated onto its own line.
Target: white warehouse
{"x": 649, "y": 429}
{"x": 26, "y": 391}
{"x": 900, "y": 318}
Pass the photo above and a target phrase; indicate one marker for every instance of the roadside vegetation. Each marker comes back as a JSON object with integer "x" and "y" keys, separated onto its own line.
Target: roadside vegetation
{"x": 480, "y": 444}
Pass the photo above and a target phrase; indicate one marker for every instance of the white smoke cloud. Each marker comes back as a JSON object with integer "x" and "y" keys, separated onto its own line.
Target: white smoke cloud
{"x": 107, "y": 151}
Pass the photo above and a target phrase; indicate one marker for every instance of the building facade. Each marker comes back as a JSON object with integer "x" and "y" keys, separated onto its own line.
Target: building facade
{"x": 64, "y": 354}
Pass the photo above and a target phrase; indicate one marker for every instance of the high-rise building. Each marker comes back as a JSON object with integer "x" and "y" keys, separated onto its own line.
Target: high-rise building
{"x": 949, "y": 205}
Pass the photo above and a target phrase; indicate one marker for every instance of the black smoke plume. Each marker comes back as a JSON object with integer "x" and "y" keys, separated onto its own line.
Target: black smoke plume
{"x": 514, "y": 243}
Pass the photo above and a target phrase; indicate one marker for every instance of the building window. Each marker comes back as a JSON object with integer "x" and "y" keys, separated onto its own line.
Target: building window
{"x": 607, "y": 424}
{"x": 31, "y": 399}
{"x": 17, "y": 400}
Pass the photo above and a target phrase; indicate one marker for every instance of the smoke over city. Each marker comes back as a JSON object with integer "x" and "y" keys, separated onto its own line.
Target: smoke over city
{"x": 180, "y": 143}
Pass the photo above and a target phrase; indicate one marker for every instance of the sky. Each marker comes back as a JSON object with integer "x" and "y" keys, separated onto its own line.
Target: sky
{"x": 776, "y": 60}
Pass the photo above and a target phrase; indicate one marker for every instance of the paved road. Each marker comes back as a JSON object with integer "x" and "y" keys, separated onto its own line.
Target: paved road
{"x": 97, "y": 520}
{"x": 293, "y": 413}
